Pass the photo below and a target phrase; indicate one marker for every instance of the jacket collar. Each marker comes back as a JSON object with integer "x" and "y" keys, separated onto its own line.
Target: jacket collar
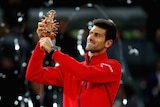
{"x": 95, "y": 59}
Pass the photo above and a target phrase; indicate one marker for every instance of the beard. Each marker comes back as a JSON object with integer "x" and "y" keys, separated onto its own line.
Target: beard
{"x": 90, "y": 47}
{"x": 94, "y": 48}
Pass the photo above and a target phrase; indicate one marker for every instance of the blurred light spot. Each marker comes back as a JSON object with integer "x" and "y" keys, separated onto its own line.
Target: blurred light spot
{"x": 26, "y": 100}
{"x": 20, "y": 19}
{"x": 16, "y": 44}
{"x": 54, "y": 96}
{"x": 46, "y": 62}
{"x": 38, "y": 97}
{"x": 3, "y": 76}
{"x": 77, "y": 8}
{"x": 30, "y": 35}
{"x": 49, "y": 87}
{"x": 89, "y": 24}
{"x": 124, "y": 101}
{"x": 41, "y": 14}
{"x": 16, "y": 102}
{"x": 50, "y": 2}
{"x": 30, "y": 104}
{"x": 20, "y": 98}
{"x": 2, "y": 24}
{"x": 80, "y": 49}
{"x": 133, "y": 51}
{"x": 129, "y": 1}
{"x": 55, "y": 105}
{"x": 24, "y": 64}
{"x": 16, "y": 72}
{"x": 79, "y": 42}
{"x": 20, "y": 16}
{"x": 89, "y": 5}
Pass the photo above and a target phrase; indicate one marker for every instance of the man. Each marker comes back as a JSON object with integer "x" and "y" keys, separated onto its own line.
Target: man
{"x": 91, "y": 83}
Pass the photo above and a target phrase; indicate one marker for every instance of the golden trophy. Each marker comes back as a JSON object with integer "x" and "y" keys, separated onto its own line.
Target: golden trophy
{"x": 51, "y": 25}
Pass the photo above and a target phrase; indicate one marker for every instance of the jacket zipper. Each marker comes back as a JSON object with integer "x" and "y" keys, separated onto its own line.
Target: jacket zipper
{"x": 86, "y": 85}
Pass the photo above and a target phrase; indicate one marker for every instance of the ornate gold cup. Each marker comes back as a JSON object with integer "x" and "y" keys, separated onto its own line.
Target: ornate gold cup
{"x": 50, "y": 25}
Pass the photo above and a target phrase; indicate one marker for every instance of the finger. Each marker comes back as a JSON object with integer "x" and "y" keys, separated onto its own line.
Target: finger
{"x": 50, "y": 42}
{"x": 41, "y": 43}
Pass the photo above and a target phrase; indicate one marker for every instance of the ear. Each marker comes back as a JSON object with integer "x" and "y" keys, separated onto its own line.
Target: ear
{"x": 108, "y": 43}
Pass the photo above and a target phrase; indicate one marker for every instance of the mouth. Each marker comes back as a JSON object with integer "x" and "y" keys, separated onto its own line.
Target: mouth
{"x": 90, "y": 43}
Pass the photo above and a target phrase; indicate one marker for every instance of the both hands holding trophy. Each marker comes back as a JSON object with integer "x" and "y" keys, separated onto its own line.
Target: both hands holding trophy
{"x": 47, "y": 30}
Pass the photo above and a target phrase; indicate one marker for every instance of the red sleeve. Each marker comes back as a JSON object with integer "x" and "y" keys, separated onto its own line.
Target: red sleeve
{"x": 109, "y": 72}
{"x": 37, "y": 73}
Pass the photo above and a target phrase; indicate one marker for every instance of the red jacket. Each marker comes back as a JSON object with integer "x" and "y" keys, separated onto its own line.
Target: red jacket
{"x": 85, "y": 84}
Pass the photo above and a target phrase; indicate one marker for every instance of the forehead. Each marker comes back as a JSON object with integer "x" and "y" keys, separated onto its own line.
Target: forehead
{"x": 97, "y": 29}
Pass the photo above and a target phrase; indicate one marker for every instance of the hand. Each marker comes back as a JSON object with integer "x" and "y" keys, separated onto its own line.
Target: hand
{"x": 46, "y": 24}
{"x": 46, "y": 44}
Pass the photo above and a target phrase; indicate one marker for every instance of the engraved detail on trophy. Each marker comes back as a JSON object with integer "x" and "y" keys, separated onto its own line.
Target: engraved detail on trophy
{"x": 50, "y": 25}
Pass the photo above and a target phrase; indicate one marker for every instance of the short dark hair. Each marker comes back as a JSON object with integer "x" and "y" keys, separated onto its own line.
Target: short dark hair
{"x": 108, "y": 25}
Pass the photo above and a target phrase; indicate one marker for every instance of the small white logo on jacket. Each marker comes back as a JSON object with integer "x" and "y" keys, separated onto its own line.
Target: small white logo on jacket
{"x": 107, "y": 65}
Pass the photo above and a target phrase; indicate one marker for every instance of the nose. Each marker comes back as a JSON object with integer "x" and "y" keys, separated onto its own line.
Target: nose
{"x": 90, "y": 37}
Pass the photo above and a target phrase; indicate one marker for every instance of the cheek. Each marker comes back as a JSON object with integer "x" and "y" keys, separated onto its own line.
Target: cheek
{"x": 101, "y": 42}
{"x": 100, "y": 45}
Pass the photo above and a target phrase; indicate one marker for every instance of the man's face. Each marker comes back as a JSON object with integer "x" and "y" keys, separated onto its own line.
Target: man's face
{"x": 96, "y": 40}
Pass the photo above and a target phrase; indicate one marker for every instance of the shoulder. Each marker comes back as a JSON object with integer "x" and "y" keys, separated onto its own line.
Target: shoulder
{"x": 115, "y": 64}
{"x": 113, "y": 61}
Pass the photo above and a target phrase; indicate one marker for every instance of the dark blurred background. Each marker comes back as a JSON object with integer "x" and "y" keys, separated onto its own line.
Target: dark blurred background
{"x": 137, "y": 47}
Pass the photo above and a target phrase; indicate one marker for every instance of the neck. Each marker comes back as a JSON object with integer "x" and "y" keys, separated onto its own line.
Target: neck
{"x": 90, "y": 54}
